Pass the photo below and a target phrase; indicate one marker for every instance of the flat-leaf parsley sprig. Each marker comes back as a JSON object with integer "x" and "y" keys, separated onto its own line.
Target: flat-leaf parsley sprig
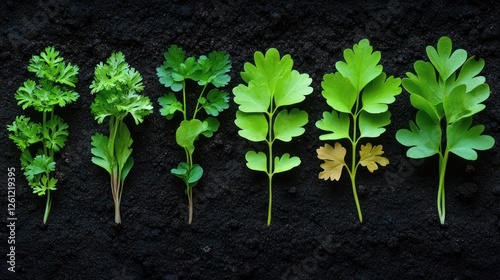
{"x": 271, "y": 84}
{"x": 176, "y": 70}
{"x": 359, "y": 93}
{"x": 447, "y": 92}
{"x": 38, "y": 141}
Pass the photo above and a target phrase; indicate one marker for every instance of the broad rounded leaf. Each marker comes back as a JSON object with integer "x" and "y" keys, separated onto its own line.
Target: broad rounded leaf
{"x": 188, "y": 132}
{"x": 463, "y": 139}
{"x": 285, "y": 163}
{"x": 339, "y": 92}
{"x": 372, "y": 125}
{"x": 289, "y": 124}
{"x": 424, "y": 137}
{"x": 361, "y": 64}
{"x": 337, "y": 123}
{"x": 254, "y": 98}
{"x": 254, "y": 126}
{"x": 380, "y": 92}
{"x": 292, "y": 89}
{"x": 256, "y": 161}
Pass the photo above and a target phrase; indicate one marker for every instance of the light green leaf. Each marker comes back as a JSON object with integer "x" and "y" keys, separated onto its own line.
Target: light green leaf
{"x": 256, "y": 161}
{"x": 361, "y": 64}
{"x": 285, "y": 163}
{"x": 188, "y": 132}
{"x": 337, "y": 123}
{"x": 463, "y": 139}
{"x": 468, "y": 74}
{"x": 288, "y": 125}
{"x": 268, "y": 69}
{"x": 424, "y": 83}
{"x": 254, "y": 98}
{"x": 292, "y": 89}
{"x": 443, "y": 60}
{"x": 339, "y": 92}
{"x": 424, "y": 138}
{"x": 253, "y": 126}
{"x": 459, "y": 104}
{"x": 380, "y": 92}
{"x": 372, "y": 125}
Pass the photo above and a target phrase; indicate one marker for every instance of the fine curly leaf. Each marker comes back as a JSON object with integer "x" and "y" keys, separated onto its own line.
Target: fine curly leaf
{"x": 334, "y": 161}
{"x": 41, "y": 164}
{"x": 117, "y": 86}
{"x": 24, "y": 133}
{"x": 371, "y": 156}
{"x": 55, "y": 133}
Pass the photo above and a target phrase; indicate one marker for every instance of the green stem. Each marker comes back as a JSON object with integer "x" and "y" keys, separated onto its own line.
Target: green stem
{"x": 190, "y": 199}
{"x": 184, "y": 111}
{"x": 48, "y": 205}
{"x": 270, "y": 170}
{"x": 441, "y": 205}
{"x": 354, "y": 164}
{"x": 198, "y": 103}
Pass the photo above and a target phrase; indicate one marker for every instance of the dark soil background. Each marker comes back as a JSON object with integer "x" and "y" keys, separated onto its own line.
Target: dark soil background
{"x": 315, "y": 233}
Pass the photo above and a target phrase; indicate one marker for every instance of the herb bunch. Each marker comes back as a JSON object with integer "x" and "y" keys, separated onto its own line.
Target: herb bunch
{"x": 174, "y": 74}
{"x": 359, "y": 94}
{"x": 271, "y": 84}
{"x": 38, "y": 141}
{"x": 447, "y": 92}
{"x": 117, "y": 87}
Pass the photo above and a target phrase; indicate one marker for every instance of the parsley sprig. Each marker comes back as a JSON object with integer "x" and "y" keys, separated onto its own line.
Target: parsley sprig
{"x": 37, "y": 141}
{"x": 117, "y": 87}
{"x": 176, "y": 70}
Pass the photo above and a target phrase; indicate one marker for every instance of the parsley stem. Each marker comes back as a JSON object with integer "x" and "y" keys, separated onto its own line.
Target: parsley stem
{"x": 190, "y": 199}
{"x": 198, "y": 102}
{"x": 48, "y": 205}
{"x": 441, "y": 205}
{"x": 354, "y": 164}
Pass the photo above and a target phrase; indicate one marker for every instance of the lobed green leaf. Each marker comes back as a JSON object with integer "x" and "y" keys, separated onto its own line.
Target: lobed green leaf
{"x": 337, "y": 123}
{"x": 423, "y": 138}
{"x": 289, "y": 124}
{"x": 463, "y": 139}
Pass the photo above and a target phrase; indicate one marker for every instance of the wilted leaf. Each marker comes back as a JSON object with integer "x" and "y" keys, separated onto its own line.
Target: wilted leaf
{"x": 371, "y": 156}
{"x": 334, "y": 161}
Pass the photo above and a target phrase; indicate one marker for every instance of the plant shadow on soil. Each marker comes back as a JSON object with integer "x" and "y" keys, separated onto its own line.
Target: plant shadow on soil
{"x": 315, "y": 233}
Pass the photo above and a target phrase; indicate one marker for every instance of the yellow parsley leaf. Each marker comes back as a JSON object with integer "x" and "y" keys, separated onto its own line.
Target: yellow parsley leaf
{"x": 369, "y": 157}
{"x": 334, "y": 161}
